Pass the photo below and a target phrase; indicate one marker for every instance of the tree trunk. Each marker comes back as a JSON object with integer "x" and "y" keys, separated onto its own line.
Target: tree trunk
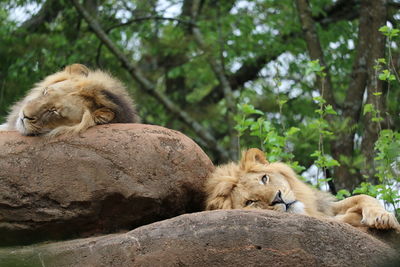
{"x": 377, "y": 11}
{"x": 370, "y": 47}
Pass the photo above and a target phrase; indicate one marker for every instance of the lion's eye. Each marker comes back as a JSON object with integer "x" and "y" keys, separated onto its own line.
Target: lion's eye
{"x": 54, "y": 111}
{"x": 264, "y": 179}
{"x": 249, "y": 202}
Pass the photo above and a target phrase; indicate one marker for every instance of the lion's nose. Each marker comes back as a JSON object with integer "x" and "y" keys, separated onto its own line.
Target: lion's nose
{"x": 26, "y": 117}
{"x": 278, "y": 198}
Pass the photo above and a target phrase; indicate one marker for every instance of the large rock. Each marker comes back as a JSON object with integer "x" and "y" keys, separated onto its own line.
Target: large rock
{"x": 216, "y": 238}
{"x": 112, "y": 177}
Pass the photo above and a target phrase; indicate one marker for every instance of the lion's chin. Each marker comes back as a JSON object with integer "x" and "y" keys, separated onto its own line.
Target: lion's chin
{"x": 19, "y": 125}
{"x": 4, "y": 127}
{"x": 296, "y": 207}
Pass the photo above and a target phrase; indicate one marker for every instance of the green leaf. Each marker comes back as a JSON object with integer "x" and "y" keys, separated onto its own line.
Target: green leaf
{"x": 292, "y": 131}
{"x": 384, "y": 29}
{"x": 249, "y": 109}
{"x": 377, "y": 119}
{"x": 329, "y": 110}
{"x": 368, "y": 108}
{"x": 319, "y": 100}
{"x": 324, "y": 132}
{"x": 386, "y": 76}
{"x": 314, "y": 66}
{"x": 282, "y": 102}
{"x": 316, "y": 154}
{"x": 382, "y": 60}
{"x": 342, "y": 194}
{"x": 332, "y": 163}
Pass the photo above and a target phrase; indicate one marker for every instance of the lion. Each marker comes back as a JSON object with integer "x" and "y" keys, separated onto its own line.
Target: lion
{"x": 69, "y": 102}
{"x": 254, "y": 183}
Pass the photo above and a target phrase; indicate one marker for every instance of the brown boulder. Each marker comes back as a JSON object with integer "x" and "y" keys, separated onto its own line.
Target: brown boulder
{"x": 216, "y": 238}
{"x": 112, "y": 177}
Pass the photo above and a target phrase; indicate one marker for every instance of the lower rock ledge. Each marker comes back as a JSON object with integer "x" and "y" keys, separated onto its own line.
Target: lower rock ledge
{"x": 216, "y": 238}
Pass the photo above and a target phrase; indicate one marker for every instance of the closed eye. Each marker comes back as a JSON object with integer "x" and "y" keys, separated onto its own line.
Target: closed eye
{"x": 249, "y": 202}
{"x": 54, "y": 111}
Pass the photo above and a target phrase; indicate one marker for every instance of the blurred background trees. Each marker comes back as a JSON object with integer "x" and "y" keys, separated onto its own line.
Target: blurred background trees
{"x": 212, "y": 69}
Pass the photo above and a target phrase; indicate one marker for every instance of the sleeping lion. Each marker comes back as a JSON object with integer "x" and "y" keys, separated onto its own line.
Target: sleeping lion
{"x": 69, "y": 102}
{"x": 256, "y": 183}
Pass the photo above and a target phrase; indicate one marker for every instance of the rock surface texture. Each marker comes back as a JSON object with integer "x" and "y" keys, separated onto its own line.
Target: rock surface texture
{"x": 216, "y": 238}
{"x": 112, "y": 177}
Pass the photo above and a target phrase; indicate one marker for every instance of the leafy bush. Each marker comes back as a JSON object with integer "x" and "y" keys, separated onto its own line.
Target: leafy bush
{"x": 276, "y": 140}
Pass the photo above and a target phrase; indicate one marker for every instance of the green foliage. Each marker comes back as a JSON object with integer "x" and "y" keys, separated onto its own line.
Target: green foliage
{"x": 342, "y": 194}
{"x": 322, "y": 161}
{"x": 386, "y": 76}
{"x": 367, "y": 188}
{"x": 389, "y": 32}
{"x": 272, "y": 140}
{"x": 387, "y": 147}
{"x": 370, "y": 108}
{"x": 387, "y": 162}
{"x": 315, "y": 67}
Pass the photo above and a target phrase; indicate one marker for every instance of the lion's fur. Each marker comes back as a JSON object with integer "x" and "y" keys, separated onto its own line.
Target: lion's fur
{"x": 70, "y": 101}
{"x": 234, "y": 185}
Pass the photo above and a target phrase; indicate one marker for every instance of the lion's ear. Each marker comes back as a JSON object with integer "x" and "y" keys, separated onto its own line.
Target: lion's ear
{"x": 251, "y": 156}
{"x": 77, "y": 69}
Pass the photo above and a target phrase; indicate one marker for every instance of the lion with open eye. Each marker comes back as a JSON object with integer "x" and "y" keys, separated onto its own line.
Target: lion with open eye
{"x": 71, "y": 101}
{"x": 256, "y": 183}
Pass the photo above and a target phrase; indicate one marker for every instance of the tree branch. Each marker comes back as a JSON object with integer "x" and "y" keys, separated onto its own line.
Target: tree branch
{"x": 315, "y": 49}
{"x": 250, "y": 69}
{"x": 146, "y": 85}
{"x": 218, "y": 69}
{"x": 247, "y": 72}
{"x": 149, "y": 18}
{"x": 341, "y": 10}
{"x": 129, "y": 22}
{"x": 394, "y": 4}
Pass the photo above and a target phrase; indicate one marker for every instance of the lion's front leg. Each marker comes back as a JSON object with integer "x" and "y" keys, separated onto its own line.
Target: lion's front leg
{"x": 86, "y": 122}
{"x": 363, "y": 210}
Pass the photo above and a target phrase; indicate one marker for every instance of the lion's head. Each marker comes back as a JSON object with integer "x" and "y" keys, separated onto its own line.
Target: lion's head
{"x": 49, "y": 111}
{"x": 52, "y": 103}
{"x": 253, "y": 183}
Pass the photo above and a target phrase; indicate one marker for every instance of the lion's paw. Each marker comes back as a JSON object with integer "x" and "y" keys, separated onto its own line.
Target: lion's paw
{"x": 380, "y": 219}
{"x": 63, "y": 130}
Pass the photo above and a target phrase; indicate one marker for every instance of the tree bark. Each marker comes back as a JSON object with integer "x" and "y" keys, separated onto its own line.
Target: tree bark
{"x": 315, "y": 50}
{"x": 377, "y": 12}
{"x": 370, "y": 47}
